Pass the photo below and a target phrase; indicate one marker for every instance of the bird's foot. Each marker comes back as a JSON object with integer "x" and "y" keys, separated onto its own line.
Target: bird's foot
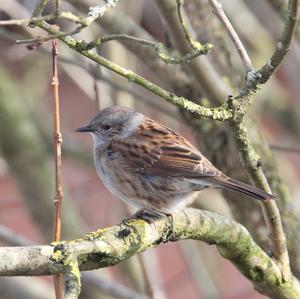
{"x": 150, "y": 215}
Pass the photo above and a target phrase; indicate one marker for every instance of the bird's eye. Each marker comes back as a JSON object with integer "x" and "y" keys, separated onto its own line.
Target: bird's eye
{"x": 106, "y": 127}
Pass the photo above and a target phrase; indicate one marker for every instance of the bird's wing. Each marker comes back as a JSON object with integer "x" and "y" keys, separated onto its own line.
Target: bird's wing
{"x": 157, "y": 150}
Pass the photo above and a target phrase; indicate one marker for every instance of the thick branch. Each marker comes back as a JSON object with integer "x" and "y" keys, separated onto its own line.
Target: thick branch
{"x": 270, "y": 210}
{"x": 109, "y": 246}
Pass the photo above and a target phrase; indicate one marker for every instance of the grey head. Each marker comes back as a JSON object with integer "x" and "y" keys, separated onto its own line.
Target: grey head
{"x": 112, "y": 122}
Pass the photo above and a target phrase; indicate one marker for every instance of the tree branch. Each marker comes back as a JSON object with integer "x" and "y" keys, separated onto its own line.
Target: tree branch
{"x": 233, "y": 35}
{"x": 39, "y": 8}
{"x": 252, "y": 163}
{"x": 157, "y": 46}
{"x": 202, "y": 70}
{"x": 218, "y": 113}
{"x": 283, "y": 43}
{"x": 110, "y": 246}
{"x": 250, "y": 158}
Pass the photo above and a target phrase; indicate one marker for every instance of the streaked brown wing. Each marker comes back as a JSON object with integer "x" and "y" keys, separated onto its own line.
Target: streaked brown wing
{"x": 181, "y": 161}
{"x": 157, "y": 150}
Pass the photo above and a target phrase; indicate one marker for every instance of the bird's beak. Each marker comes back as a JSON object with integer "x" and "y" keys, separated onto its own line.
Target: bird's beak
{"x": 87, "y": 128}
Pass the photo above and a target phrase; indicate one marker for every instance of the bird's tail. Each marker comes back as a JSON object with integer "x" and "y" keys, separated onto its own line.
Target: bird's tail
{"x": 231, "y": 184}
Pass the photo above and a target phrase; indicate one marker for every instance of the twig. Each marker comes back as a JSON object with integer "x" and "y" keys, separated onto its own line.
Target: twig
{"x": 280, "y": 7}
{"x": 12, "y": 238}
{"x": 220, "y": 113}
{"x": 94, "y": 13}
{"x": 64, "y": 15}
{"x": 57, "y": 7}
{"x": 96, "y": 73}
{"x": 284, "y": 148}
{"x": 57, "y": 139}
{"x": 98, "y": 11}
{"x": 112, "y": 288}
{"x": 283, "y": 43}
{"x": 209, "y": 82}
{"x": 158, "y": 47}
{"x": 218, "y": 10}
{"x": 20, "y": 22}
{"x": 39, "y": 8}
{"x": 194, "y": 44}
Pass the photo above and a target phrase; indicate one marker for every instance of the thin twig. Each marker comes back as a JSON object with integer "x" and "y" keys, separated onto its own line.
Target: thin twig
{"x": 283, "y": 43}
{"x": 96, "y": 73}
{"x": 220, "y": 113}
{"x": 67, "y": 15}
{"x": 39, "y": 8}
{"x": 158, "y": 47}
{"x": 20, "y": 22}
{"x": 284, "y": 148}
{"x": 201, "y": 71}
{"x": 98, "y": 11}
{"x": 57, "y": 7}
{"x": 12, "y": 238}
{"x": 218, "y": 10}
{"x": 194, "y": 44}
{"x": 110, "y": 287}
{"x": 57, "y": 139}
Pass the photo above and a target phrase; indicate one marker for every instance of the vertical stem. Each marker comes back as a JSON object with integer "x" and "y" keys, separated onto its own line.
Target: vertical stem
{"x": 232, "y": 34}
{"x": 57, "y": 140}
{"x": 148, "y": 284}
{"x": 269, "y": 207}
{"x": 147, "y": 281}
{"x": 56, "y": 7}
{"x": 96, "y": 70}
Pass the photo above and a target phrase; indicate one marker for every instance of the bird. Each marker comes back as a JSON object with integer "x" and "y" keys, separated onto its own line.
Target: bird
{"x": 151, "y": 167}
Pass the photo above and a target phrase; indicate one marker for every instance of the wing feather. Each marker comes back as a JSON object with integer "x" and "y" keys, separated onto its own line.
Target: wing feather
{"x": 157, "y": 150}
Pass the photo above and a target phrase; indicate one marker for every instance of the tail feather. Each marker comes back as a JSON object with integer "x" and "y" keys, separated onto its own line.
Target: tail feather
{"x": 231, "y": 184}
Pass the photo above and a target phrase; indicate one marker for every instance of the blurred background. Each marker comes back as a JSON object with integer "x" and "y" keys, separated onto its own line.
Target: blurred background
{"x": 176, "y": 270}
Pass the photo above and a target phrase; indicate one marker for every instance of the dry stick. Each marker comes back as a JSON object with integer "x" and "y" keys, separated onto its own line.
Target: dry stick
{"x": 57, "y": 139}
{"x": 218, "y": 10}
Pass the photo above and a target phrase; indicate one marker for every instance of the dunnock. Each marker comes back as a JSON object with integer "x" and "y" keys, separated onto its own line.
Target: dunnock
{"x": 150, "y": 166}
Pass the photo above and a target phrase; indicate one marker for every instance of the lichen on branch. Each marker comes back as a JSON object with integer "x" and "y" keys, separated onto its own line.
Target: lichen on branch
{"x": 110, "y": 246}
